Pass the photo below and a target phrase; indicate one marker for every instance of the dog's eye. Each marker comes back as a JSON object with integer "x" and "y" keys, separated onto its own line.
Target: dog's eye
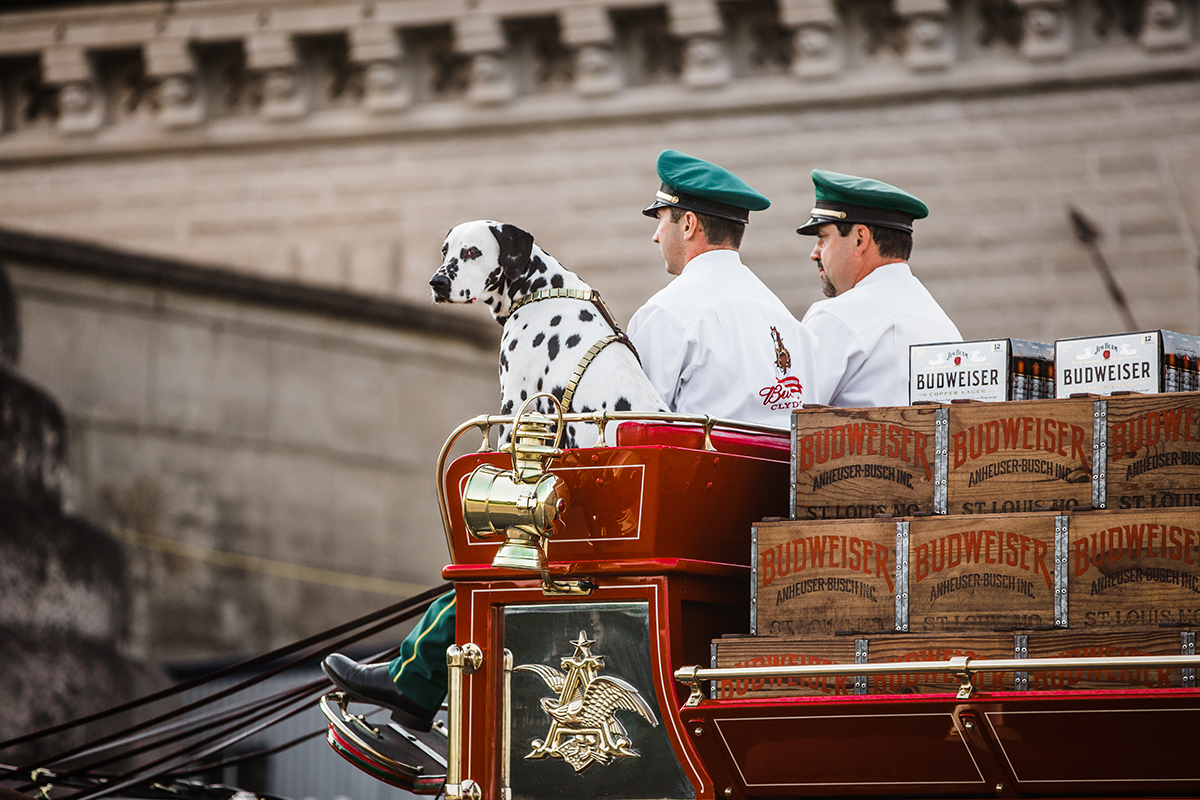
{"x": 470, "y": 253}
{"x": 445, "y": 247}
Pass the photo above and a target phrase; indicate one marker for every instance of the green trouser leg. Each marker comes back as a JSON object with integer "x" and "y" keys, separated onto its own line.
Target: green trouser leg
{"x": 420, "y": 669}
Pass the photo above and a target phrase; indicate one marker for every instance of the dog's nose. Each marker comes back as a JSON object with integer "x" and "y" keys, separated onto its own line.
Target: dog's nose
{"x": 440, "y": 282}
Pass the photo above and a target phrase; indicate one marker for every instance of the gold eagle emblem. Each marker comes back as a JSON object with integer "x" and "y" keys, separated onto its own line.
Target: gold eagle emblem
{"x": 584, "y": 728}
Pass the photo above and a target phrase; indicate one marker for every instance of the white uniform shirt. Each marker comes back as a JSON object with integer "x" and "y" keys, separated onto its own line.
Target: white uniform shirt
{"x": 717, "y": 341}
{"x": 864, "y": 336}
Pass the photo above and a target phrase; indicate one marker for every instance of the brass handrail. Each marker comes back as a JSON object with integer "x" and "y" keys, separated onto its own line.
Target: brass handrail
{"x": 962, "y": 667}
{"x": 600, "y": 419}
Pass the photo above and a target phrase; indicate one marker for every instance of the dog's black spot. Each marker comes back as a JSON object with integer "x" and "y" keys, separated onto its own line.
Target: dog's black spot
{"x": 539, "y": 384}
{"x": 622, "y": 405}
{"x": 524, "y": 395}
{"x": 586, "y": 316}
{"x": 537, "y": 340}
{"x": 573, "y": 340}
{"x": 557, "y": 281}
{"x": 552, "y": 347}
{"x": 555, "y": 320}
{"x": 546, "y": 371}
{"x": 557, "y": 391}
{"x": 507, "y": 407}
{"x": 537, "y": 285}
{"x": 526, "y": 325}
{"x": 494, "y": 282}
{"x": 604, "y": 404}
{"x": 586, "y": 410}
{"x": 516, "y": 246}
{"x": 503, "y": 362}
{"x": 537, "y": 264}
{"x": 451, "y": 269}
{"x": 512, "y": 345}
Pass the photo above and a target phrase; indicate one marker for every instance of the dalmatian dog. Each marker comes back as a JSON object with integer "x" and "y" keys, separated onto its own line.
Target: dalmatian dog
{"x": 498, "y": 264}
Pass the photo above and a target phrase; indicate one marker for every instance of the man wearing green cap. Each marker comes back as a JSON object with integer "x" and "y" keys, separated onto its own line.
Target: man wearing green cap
{"x": 716, "y": 340}
{"x": 876, "y": 307}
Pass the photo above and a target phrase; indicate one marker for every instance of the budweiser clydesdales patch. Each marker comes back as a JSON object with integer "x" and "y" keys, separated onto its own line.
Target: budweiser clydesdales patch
{"x": 787, "y": 391}
{"x": 583, "y": 712}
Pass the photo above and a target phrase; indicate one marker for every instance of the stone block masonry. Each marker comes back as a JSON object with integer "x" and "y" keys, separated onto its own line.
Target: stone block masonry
{"x": 234, "y": 416}
{"x": 335, "y": 143}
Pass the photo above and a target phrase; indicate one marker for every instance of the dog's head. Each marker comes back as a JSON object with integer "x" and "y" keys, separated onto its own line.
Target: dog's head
{"x": 481, "y": 260}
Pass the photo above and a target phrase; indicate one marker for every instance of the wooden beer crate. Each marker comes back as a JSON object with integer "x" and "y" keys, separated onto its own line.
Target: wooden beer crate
{"x": 978, "y": 573}
{"x": 1108, "y": 643}
{"x": 943, "y": 647}
{"x": 771, "y": 651}
{"x": 1153, "y": 449}
{"x": 854, "y": 463}
{"x": 1133, "y": 568}
{"x": 820, "y": 578}
{"x": 879, "y": 648}
{"x": 1034, "y": 455}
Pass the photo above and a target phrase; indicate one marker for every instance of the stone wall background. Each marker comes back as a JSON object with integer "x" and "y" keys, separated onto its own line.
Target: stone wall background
{"x": 330, "y": 144}
{"x": 335, "y": 142}
{"x": 220, "y": 435}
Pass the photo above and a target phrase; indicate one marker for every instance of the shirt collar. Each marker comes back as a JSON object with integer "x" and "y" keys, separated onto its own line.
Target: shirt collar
{"x": 711, "y": 260}
{"x": 895, "y": 270}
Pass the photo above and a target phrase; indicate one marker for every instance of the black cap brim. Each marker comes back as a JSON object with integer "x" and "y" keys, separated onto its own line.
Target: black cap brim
{"x": 672, "y": 198}
{"x": 826, "y": 212}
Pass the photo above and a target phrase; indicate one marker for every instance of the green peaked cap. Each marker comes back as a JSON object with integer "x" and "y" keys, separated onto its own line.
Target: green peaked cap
{"x": 703, "y": 187}
{"x": 848, "y": 198}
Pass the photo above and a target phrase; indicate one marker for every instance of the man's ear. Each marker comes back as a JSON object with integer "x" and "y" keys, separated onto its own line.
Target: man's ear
{"x": 863, "y": 238}
{"x": 516, "y": 246}
{"x": 691, "y": 225}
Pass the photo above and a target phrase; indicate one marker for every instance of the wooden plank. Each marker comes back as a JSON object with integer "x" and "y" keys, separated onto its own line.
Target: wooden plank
{"x": 854, "y": 463}
{"x": 942, "y": 647}
{"x": 890, "y": 648}
{"x": 1153, "y": 451}
{"x": 770, "y": 651}
{"x": 1106, "y": 643}
{"x": 1033, "y": 455}
{"x": 1134, "y": 568}
{"x": 981, "y": 572}
{"x": 820, "y": 578}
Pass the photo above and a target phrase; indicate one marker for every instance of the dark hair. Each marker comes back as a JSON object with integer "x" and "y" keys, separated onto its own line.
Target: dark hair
{"x": 892, "y": 242}
{"x": 717, "y": 230}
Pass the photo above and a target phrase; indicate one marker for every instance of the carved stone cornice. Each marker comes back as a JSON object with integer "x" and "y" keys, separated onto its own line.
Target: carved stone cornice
{"x": 397, "y": 82}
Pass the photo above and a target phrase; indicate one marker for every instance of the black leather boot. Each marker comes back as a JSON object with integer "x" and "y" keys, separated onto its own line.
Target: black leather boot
{"x": 371, "y": 683}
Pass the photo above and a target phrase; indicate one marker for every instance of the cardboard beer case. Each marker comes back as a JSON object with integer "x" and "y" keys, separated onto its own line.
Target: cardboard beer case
{"x": 1035, "y": 455}
{"x": 1150, "y": 362}
{"x": 989, "y": 370}
{"x": 1152, "y": 449}
{"x": 854, "y": 463}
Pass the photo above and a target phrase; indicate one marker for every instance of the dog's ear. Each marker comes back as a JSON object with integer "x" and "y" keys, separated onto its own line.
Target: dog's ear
{"x": 516, "y": 246}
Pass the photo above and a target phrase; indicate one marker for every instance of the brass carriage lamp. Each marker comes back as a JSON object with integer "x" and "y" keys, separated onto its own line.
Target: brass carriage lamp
{"x": 526, "y": 504}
